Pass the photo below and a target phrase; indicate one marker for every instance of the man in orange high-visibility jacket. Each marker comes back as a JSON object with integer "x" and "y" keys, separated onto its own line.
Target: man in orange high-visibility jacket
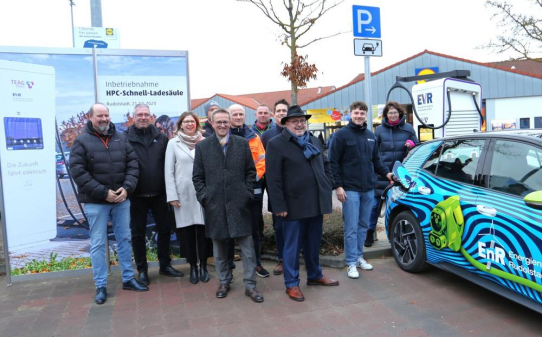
{"x": 239, "y": 128}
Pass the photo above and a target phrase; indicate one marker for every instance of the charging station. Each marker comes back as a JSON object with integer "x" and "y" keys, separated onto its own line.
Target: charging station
{"x": 448, "y": 102}
{"x": 27, "y": 153}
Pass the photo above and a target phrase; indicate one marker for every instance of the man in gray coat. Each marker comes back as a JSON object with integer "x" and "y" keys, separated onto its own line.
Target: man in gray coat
{"x": 223, "y": 177}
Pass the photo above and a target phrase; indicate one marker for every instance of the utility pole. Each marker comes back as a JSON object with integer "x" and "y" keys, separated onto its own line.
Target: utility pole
{"x": 96, "y": 13}
{"x": 73, "y": 33}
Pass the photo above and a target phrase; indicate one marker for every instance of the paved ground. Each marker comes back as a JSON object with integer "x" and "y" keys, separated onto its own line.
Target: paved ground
{"x": 384, "y": 302}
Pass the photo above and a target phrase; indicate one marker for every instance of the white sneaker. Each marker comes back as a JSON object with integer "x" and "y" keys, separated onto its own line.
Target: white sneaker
{"x": 353, "y": 271}
{"x": 364, "y": 264}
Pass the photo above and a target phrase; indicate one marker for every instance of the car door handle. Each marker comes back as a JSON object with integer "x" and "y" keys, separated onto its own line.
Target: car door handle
{"x": 487, "y": 211}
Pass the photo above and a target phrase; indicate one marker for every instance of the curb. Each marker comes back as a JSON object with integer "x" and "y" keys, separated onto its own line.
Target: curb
{"x": 380, "y": 249}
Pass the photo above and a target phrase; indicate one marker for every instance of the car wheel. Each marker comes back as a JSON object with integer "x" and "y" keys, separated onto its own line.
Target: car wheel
{"x": 407, "y": 243}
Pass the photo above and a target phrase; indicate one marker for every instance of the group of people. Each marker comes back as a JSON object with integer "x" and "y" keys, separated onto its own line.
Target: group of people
{"x": 209, "y": 181}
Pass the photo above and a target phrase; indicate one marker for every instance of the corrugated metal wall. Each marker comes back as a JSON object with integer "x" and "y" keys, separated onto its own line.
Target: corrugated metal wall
{"x": 225, "y": 103}
{"x": 495, "y": 83}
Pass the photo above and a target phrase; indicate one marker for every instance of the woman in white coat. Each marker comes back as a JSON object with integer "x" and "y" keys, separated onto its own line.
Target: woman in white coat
{"x": 182, "y": 195}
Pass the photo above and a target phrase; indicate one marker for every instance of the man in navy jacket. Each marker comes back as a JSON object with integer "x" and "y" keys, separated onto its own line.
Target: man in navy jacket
{"x": 354, "y": 159}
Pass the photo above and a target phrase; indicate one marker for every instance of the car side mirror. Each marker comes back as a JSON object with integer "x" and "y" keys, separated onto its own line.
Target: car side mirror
{"x": 534, "y": 200}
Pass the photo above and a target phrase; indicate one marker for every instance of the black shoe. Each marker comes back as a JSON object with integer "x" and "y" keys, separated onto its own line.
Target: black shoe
{"x": 143, "y": 278}
{"x": 194, "y": 279}
{"x": 254, "y": 295}
{"x": 134, "y": 285}
{"x": 369, "y": 240}
{"x": 261, "y": 271}
{"x": 101, "y": 295}
{"x": 222, "y": 290}
{"x": 203, "y": 274}
{"x": 170, "y": 271}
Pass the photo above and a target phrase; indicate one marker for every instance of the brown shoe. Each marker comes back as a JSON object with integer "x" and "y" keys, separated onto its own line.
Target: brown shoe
{"x": 236, "y": 257}
{"x": 278, "y": 268}
{"x": 211, "y": 261}
{"x": 324, "y": 281}
{"x": 295, "y": 294}
{"x": 222, "y": 291}
{"x": 254, "y": 295}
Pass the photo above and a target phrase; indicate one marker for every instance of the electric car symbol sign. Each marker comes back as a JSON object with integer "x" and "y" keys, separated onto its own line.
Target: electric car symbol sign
{"x": 366, "y": 21}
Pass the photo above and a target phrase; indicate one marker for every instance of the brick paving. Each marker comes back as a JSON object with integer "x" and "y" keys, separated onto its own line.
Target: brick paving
{"x": 382, "y": 302}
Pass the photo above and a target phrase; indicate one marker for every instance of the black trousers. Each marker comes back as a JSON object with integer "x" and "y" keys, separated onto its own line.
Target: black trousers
{"x": 195, "y": 244}
{"x": 257, "y": 233}
{"x": 139, "y": 209}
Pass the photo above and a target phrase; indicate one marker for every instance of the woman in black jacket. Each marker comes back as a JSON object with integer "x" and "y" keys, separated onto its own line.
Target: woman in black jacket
{"x": 394, "y": 139}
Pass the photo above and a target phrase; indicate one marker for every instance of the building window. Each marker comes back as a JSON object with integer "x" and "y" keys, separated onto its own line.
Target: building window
{"x": 524, "y": 123}
{"x": 538, "y": 122}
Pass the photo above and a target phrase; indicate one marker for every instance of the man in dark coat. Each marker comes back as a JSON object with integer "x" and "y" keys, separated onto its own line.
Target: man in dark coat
{"x": 104, "y": 167}
{"x": 299, "y": 184}
{"x": 354, "y": 161}
{"x": 223, "y": 177}
{"x": 150, "y": 193}
{"x": 281, "y": 109}
{"x": 394, "y": 139}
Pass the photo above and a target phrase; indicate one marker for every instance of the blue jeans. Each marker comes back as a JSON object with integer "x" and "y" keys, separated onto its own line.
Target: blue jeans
{"x": 356, "y": 213}
{"x": 374, "y": 214}
{"x": 279, "y": 237}
{"x": 303, "y": 234}
{"x": 98, "y": 216}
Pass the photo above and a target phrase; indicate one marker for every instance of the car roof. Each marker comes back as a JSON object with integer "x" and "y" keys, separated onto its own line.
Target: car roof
{"x": 521, "y": 134}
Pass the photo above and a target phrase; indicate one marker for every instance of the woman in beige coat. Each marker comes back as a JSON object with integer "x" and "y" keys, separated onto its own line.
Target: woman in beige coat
{"x": 182, "y": 195}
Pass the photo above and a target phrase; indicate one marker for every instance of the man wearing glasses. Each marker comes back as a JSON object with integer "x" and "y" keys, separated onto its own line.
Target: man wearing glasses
{"x": 223, "y": 177}
{"x": 299, "y": 184}
{"x": 150, "y": 194}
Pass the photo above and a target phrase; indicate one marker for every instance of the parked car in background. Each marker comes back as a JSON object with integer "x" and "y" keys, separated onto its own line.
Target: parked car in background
{"x": 61, "y": 165}
{"x": 472, "y": 205}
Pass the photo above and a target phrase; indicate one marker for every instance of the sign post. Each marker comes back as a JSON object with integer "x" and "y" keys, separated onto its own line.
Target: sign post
{"x": 366, "y": 22}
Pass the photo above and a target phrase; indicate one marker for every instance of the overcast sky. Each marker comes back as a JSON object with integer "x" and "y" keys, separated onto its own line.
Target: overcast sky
{"x": 234, "y": 49}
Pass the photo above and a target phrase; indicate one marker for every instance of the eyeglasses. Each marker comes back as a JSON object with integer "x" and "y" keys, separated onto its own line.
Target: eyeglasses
{"x": 298, "y": 121}
{"x": 393, "y": 112}
{"x": 189, "y": 122}
{"x": 222, "y": 122}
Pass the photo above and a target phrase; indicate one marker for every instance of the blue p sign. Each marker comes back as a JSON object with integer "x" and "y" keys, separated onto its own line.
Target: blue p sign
{"x": 366, "y": 21}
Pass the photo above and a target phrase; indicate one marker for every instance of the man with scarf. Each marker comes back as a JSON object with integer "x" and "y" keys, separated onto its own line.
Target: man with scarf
{"x": 223, "y": 177}
{"x": 239, "y": 128}
{"x": 150, "y": 194}
{"x": 299, "y": 183}
{"x": 354, "y": 161}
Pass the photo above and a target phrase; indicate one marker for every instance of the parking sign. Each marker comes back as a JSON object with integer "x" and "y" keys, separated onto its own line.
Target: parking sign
{"x": 366, "y": 21}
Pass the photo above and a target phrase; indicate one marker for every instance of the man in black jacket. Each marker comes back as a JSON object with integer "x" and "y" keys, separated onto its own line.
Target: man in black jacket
{"x": 150, "y": 193}
{"x": 299, "y": 184}
{"x": 104, "y": 167}
{"x": 281, "y": 109}
{"x": 354, "y": 160}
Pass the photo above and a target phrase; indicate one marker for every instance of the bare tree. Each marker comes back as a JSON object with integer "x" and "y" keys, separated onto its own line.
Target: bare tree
{"x": 522, "y": 33}
{"x": 295, "y": 18}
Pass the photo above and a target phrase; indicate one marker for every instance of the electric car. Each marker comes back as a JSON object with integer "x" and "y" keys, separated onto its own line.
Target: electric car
{"x": 472, "y": 205}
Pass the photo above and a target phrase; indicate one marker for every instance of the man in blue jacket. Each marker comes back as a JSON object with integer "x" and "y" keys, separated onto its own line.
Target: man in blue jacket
{"x": 354, "y": 160}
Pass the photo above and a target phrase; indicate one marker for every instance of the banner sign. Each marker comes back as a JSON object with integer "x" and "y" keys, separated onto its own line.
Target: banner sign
{"x": 324, "y": 116}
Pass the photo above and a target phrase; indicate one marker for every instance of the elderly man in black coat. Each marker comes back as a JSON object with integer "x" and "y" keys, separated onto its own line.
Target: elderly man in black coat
{"x": 223, "y": 177}
{"x": 299, "y": 183}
